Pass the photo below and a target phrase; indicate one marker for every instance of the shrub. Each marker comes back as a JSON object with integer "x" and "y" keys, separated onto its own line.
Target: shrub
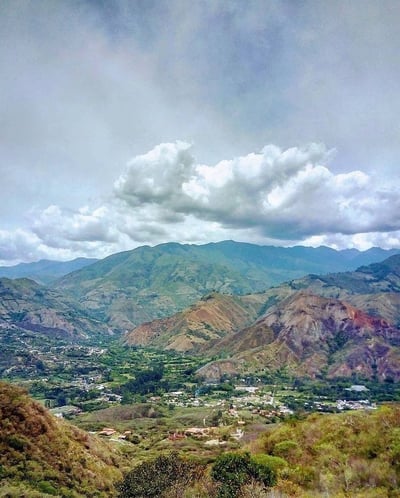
{"x": 158, "y": 476}
{"x": 233, "y": 470}
{"x": 46, "y": 487}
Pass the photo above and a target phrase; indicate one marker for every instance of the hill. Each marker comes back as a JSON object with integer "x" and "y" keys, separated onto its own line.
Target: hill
{"x": 133, "y": 287}
{"x": 209, "y": 319}
{"x": 28, "y": 306}
{"x": 308, "y": 334}
{"x": 353, "y": 454}
{"x": 301, "y": 329}
{"x": 41, "y": 455}
{"x": 44, "y": 271}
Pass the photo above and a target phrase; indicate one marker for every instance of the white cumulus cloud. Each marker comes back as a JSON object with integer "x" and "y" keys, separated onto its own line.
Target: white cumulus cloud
{"x": 284, "y": 194}
{"x": 275, "y": 196}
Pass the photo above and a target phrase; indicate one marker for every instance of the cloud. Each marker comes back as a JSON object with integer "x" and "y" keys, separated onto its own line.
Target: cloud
{"x": 15, "y": 243}
{"x": 275, "y": 196}
{"x": 156, "y": 176}
{"x": 86, "y": 85}
{"x": 56, "y": 226}
{"x": 283, "y": 194}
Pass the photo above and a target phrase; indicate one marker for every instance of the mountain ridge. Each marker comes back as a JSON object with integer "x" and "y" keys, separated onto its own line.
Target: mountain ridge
{"x": 294, "y": 318}
{"x": 44, "y": 271}
{"x": 133, "y": 287}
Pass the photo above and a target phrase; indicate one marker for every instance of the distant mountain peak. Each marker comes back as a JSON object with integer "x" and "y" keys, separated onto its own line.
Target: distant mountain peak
{"x": 133, "y": 287}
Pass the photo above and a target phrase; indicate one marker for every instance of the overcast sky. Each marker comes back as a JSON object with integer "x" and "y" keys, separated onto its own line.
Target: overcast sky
{"x": 132, "y": 122}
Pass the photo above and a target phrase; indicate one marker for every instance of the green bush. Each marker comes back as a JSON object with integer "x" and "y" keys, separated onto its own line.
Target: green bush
{"x": 158, "y": 476}
{"x": 46, "y": 487}
{"x": 234, "y": 470}
{"x": 274, "y": 462}
{"x": 285, "y": 448}
{"x": 17, "y": 442}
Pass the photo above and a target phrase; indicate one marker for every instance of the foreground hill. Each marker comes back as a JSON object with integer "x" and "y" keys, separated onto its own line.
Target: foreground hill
{"x": 28, "y": 306}
{"x": 133, "y": 287}
{"x": 44, "y": 271}
{"x": 41, "y": 455}
{"x": 354, "y": 454}
{"x": 211, "y": 318}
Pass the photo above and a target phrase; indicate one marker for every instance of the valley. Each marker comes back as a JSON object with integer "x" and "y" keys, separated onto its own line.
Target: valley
{"x": 224, "y": 363}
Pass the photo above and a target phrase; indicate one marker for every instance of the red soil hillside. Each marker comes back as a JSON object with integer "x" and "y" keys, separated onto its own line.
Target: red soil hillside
{"x": 307, "y": 333}
{"x": 211, "y": 318}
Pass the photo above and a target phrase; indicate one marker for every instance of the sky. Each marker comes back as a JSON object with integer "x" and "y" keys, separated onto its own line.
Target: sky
{"x": 133, "y": 122}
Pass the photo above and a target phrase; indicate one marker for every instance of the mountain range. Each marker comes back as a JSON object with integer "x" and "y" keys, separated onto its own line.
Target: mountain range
{"x": 341, "y": 324}
{"x": 217, "y": 299}
{"x": 129, "y": 288}
{"x": 44, "y": 271}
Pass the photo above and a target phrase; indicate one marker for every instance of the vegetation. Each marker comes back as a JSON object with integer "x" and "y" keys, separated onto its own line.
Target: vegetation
{"x": 336, "y": 454}
{"x": 171, "y": 476}
{"x": 349, "y": 454}
{"x": 163, "y": 476}
{"x": 234, "y": 470}
{"x": 44, "y": 455}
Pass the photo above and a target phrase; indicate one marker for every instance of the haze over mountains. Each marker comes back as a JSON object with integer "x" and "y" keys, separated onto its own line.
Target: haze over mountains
{"x": 44, "y": 271}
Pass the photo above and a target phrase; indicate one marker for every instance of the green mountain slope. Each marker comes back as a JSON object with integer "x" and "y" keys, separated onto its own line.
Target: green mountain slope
{"x": 133, "y": 287}
{"x": 42, "y": 456}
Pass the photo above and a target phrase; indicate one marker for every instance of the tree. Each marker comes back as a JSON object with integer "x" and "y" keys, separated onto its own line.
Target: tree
{"x": 158, "y": 476}
{"x": 233, "y": 470}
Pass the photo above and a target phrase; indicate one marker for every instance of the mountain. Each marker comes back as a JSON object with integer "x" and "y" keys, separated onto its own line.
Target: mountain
{"x": 211, "y": 318}
{"x": 42, "y": 456}
{"x": 44, "y": 271}
{"x": 133, "y": 287}
{"x": 309, "y": 334}
{"x": 28, "y": 306}
{"x": 374, "y": 289}
{"x": 301, "y": 325}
